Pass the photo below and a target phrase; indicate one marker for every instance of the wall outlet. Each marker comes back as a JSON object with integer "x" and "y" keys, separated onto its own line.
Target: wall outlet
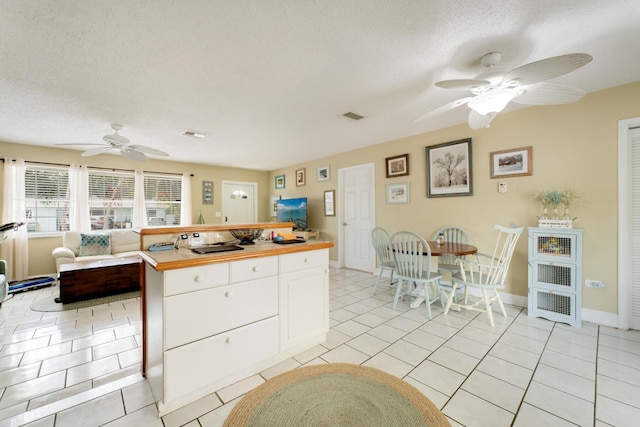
{"x": 588, "y": 283}
{"x": 218, "y": 214}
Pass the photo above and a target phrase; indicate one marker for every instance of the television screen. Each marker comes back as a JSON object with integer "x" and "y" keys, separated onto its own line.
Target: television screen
{"x": 293, "y": 210}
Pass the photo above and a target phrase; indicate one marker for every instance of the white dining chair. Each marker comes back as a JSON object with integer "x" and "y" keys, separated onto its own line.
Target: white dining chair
{"x": 382, "y": 244}
{"x": 484, "y": 272}
{"x": 447, "y": 263}
{"x": 412, "y": 256}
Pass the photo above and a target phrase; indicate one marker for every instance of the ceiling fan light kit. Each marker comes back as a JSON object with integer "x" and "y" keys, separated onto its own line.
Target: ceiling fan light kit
{"x": 494, "y": 89}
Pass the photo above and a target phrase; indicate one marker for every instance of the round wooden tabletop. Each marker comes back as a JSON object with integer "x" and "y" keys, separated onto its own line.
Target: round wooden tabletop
{"x": 449, "y": 248}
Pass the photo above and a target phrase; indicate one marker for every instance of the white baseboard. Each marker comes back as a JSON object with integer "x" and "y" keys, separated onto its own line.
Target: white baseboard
{"x": 600, "y": 317}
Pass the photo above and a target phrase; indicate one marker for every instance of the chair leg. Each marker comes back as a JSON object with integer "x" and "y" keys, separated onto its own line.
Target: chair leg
{"x": 377, "y": 281}
{"x": 500, "y": 304}
{"x": 391, "y": 279}
{"x": 427, "y": 301}
{"x": 398, "y": 290}
{"x": 450, "y": 298}
{"x": 487, "y": 304}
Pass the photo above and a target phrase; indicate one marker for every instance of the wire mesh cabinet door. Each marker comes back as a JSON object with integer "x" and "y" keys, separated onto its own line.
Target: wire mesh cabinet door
{"x": 555, "y": 274}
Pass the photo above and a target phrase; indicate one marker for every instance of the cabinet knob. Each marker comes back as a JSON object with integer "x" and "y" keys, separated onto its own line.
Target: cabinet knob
{"x": 255, "y": 268}
{"x": 306, "y": 260}
{"x": 228, "y": 294}
{"x": 199, "y": 279}
{"x": 229, "y": 340}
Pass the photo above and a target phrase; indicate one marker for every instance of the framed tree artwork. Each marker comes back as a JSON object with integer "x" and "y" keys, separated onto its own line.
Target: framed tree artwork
{"x": 449, "y": 169}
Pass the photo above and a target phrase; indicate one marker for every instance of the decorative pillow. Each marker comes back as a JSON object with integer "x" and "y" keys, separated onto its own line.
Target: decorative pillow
{"x": 95, "y": 244}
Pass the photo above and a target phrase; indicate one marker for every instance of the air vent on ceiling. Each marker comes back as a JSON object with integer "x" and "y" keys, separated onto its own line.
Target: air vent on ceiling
{"x": 353, "y": 116}
{"x": 194, "y": 134}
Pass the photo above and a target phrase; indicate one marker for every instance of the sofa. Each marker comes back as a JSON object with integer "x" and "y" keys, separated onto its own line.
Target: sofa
{"x": 96, "y": 246}
{"x": 4, "y": 285}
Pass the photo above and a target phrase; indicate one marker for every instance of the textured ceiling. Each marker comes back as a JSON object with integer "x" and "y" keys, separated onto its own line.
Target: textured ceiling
{"x": 268, "y": 81}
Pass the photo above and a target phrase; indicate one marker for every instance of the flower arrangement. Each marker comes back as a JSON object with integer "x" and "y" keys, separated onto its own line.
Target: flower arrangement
{"x": 555, "y": 198}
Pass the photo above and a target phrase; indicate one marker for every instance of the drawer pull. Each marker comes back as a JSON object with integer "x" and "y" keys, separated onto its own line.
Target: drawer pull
{"x": 229, "y": 340}
{"x": 199, "y": 279}
{"x": 228, "y": 294}
{"x": 255, "y": 269}
{"x": 306, "y": 260}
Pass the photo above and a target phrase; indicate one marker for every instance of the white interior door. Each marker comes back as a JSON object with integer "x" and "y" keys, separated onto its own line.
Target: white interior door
{"x": 629, "y": 223}
{"x": 239, "y": 204}
{"x": 357, "y": 216}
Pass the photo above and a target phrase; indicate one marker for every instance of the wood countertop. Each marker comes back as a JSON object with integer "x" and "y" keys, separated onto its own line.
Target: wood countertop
{"x": 203, "y": 228}
{"x": 184, "y": 257}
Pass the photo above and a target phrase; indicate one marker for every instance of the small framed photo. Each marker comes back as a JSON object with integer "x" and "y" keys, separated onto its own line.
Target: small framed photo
{"x": 207, "y": 192}
{"x": 279, "y": 182}
{"x": 274, "y": 206}
{"x": 398, "y": 193}
{"x": 510, "y": 163}
{"x": 397, "y": 165}
{"x": 449, "y": 169}
{"x": 323, "y": 173}
{"x": 329, "y": 203}
{"x": 301, "y": 177}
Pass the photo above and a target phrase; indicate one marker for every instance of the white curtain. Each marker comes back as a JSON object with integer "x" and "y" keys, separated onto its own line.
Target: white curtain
{"x": 185, "y": 214}
{"x": 15, "y": 248}
{"x": 139, "y": 209}
{"x": 79, "y": 190}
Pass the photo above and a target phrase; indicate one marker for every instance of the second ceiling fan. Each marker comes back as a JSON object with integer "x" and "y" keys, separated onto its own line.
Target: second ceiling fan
{"x": 491, "y": 90}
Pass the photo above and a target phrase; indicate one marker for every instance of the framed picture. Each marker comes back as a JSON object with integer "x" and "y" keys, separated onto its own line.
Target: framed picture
{"x": 279, "y": 181}
{"x": 329, "y": 203}
{"x": 397, "y": 166}
{"x": 274, "y": 206}
{"x": 301, "y": 178}
{"x": 398, "y": 193}
{"x": 449, "y": 171}
{"x": 510, "y": 163}
{"x": 323, "y": 173}
{"x": 207, "y": 192}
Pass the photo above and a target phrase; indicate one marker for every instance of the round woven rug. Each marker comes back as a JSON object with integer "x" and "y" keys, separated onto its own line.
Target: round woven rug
{"x": 335, "y": 394}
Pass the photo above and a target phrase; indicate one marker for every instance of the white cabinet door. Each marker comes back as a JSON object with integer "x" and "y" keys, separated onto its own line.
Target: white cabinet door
{"x": 304, "y": 306}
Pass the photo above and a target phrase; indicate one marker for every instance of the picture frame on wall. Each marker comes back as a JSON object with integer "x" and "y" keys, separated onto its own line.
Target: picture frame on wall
{"x": 274, "y": 206}
{"x": 398, "y": 193}
{"x": 207, "y": 192}
{"x": 279, "y": 181}
{"x": 449, "y": 169}
{"x": 301, "y": 178}
{"x": 329, "y": 203}
{"x": 512, "y": 163}
{"x": 397, "y": 165}
{"x": 323, "y": 173}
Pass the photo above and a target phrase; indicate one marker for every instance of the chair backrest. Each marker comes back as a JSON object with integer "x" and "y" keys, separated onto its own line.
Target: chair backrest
{"x": 412, "y": 255}
{"x": 455, "y": 235}
{"x": 496, "y": 267}
{"x": 382, "y": 244}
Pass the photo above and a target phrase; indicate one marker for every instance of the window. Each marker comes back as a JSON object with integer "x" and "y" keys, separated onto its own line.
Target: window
{"x": 47, "y": 198}
{"x": 111, "y": 201}
{"x": 162, "y": 199}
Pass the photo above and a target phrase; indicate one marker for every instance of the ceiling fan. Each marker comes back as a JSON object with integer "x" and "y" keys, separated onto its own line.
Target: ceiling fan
{"x": 493, "y": 89}
{"x": 121, "y": 144}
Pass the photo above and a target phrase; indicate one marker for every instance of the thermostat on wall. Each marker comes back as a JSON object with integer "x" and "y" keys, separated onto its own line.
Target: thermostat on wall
{"x": 502, "y": 187}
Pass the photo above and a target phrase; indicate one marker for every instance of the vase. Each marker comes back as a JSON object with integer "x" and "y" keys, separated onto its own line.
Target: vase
{"x": 566, "y": 213}
{"x": 555, "y": 213}
{"x": 544, "y": 214}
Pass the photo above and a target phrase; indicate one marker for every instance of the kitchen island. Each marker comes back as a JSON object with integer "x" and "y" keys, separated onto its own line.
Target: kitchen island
{"x": 211, "y": 320}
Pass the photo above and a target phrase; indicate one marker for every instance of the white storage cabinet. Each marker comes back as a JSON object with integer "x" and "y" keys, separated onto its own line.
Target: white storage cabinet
{"x": 555, "y": 274}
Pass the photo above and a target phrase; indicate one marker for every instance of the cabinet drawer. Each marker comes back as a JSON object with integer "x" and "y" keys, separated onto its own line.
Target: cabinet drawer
{"x": 303, "y": 260}
{"x": 195, "y": 278}
{"x": 554, "y": 275}
{"x": 197, "y": 365}
{"x": 196, "y": 315}
{"x": 255, "y": 268}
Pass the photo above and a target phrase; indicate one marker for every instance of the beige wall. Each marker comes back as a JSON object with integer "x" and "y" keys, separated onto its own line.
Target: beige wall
{"x": 574, "y": 146}
{"x": 40, "y": 259}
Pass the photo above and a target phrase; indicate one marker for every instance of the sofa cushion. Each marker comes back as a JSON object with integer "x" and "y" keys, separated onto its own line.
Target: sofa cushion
{"x": 95, "y": 244}
{"x": 124, "y": 241}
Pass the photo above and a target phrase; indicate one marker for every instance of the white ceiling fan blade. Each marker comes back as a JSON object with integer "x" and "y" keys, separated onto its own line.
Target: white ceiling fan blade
{"x": 462, "y": 84}
{"x": 546, "y": 69}
{"x": 148, "y": 150}
{"x": 116, "y": 139}
{"x": 95, "y": 151}
{"x": 546, "y": 93}
{"x": 81, "y": 144}
{"x": 444, "y": 108}
{"x": 133, "y": 155}
{"x": 479, "y": 121}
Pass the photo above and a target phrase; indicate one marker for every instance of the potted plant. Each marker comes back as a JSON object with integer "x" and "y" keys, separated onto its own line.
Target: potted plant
{"x": 568, "y": 197}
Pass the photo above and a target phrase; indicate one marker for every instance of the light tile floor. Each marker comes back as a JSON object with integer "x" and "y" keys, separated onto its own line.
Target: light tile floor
{"x": 83, "y": 367}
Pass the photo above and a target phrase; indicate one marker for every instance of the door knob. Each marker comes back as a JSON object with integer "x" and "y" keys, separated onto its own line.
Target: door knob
{"x": 345, "y": 224}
